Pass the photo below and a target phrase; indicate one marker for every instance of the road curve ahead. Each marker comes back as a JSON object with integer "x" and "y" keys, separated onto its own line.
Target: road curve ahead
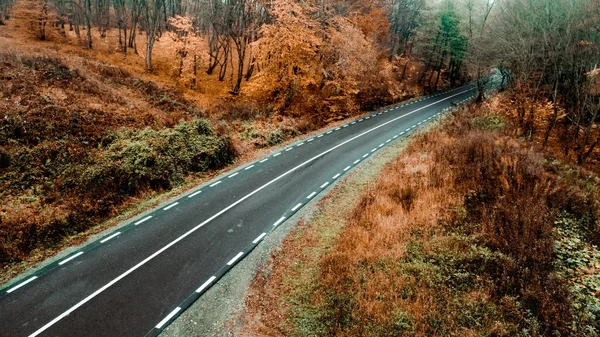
{"x": 137, "y": 279}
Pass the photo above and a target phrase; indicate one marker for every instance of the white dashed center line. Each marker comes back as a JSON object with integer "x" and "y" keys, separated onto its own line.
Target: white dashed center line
{"x": 215, "y": 184}
{"x": 296, "y": 207}
{"x": 300, "y": 144}
{"x": 233, "y": 175}
{"x": 311, "y": 195}
{"x": 356, "y": 161}
{"x": 347, "y": 168}
{"x": 324, "y": 184}
{"x": 249, "y": 167}
{"x": 277, "y": 154}
{"x": 264, "y": 160}
{"x": 336, "y": 176}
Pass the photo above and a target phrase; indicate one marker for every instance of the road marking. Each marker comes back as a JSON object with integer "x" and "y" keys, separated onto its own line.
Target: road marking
{"x": 360, "y": 120}
{"x": 235, "y": 258}
{"x": 375, "y": 149}
{"x": 300, "y": 144}
{"x": 20, "y": 285}
{"x": 407, "y": 130}
{"x": 166, "y": 319}
{"x": 108, "y": 238}
{"x": 353, "y": 123}
{"x": 328, "y": 132}
{"x": 311, "y": 195}
{"x": 171, "y": 206}
{"x": 380, "y": 113}
{"x": 221, "y": 212}
{"x": 319, "y": 136}
{"x": 233, "y": 175}
{"x": 296, "y": 207}
{"x": 365, "y": 155}
{"x": 381, "y": 145}
{"x": 345, "y": 126}
{"x": 215, "y": 184}
{"x": 289, "y": 149}
{"x": 277, "y": 154}
{"x": 150, "y": 216}
{"x": 324, "y": 184}
{"x": 336, "y": 176}
{"x": 206, "y": 284}
{"x": 337, "y": 129}
{"x": 264, "y": 160}
{"x": 278, "y": 221}
{"x": 347, "y": 168}
{"x": 310, "y": 140}
{"x": 401, "y": 133}
{"x": 194, "y": 194}
{"x": 396, "y": 136}
{"x": 249, "y": 167}
{"x": 70, "y": 258}
{"x": 389, "y": 140}
{"x": 356, "y": 161}
{"x": 259, "y": 238}
{"x": 368, "y": 117}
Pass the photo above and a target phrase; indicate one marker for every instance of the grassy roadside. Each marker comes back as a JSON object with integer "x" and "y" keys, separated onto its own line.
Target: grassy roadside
{"x": 470, "y": 232}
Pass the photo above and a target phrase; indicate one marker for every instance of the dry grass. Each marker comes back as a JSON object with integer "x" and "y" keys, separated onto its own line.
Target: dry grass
{"x": 454, "y": 239}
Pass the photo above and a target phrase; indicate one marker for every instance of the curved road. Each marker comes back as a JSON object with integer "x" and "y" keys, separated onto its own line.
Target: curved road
{"x": 136, "y": 280}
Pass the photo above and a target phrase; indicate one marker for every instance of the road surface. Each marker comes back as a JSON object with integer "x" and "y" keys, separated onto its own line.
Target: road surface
{"x": 137, "y": 279}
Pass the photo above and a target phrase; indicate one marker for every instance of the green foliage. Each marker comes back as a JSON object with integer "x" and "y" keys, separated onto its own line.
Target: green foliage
{"x": 579, "y": 261}
{"x": 138, "y": 159}
{"x": 488, "y": 122}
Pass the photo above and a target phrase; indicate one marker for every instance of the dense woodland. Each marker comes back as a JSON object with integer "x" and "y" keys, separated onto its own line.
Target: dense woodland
{"x": 92, "y": 88}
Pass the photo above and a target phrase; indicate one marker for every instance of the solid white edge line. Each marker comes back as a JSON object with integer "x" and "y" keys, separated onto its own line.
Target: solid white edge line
{"x": 150, "y": 216}
{"x": 311, "y": 195}
{"x": 215, "y": 184}
{"x": 166, "y": 319}
{"x": 70, "y": 258}
{"x": 235, "y": 258}
{"x": 192, "y": 230}
{"x": 194, "y": 194}
{"x": 296, "y": 207}
{"x": 324, "y": 184}
{"x": 108, "y": 238}
{"x": 206, "y": 284}
{"x": 20, "y": 285}
{"x": 259, "y": 238}
{"x": 278, "y": 221}
{"x": 249, "y": 167}
{"x": 171, "y": 206}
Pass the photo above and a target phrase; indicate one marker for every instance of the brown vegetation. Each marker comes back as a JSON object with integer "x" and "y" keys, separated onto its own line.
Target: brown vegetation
{"x": 455, "y": 238}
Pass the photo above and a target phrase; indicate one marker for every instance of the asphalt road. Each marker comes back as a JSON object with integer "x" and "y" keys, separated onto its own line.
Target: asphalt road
{"x": 136, "y": 280}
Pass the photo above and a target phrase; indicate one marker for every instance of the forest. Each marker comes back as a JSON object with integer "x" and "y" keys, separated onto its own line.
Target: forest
{"x": 92, "y": 88}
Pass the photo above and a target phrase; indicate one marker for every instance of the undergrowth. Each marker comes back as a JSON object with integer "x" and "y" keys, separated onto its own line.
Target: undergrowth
{"x": 469, "y": 233}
